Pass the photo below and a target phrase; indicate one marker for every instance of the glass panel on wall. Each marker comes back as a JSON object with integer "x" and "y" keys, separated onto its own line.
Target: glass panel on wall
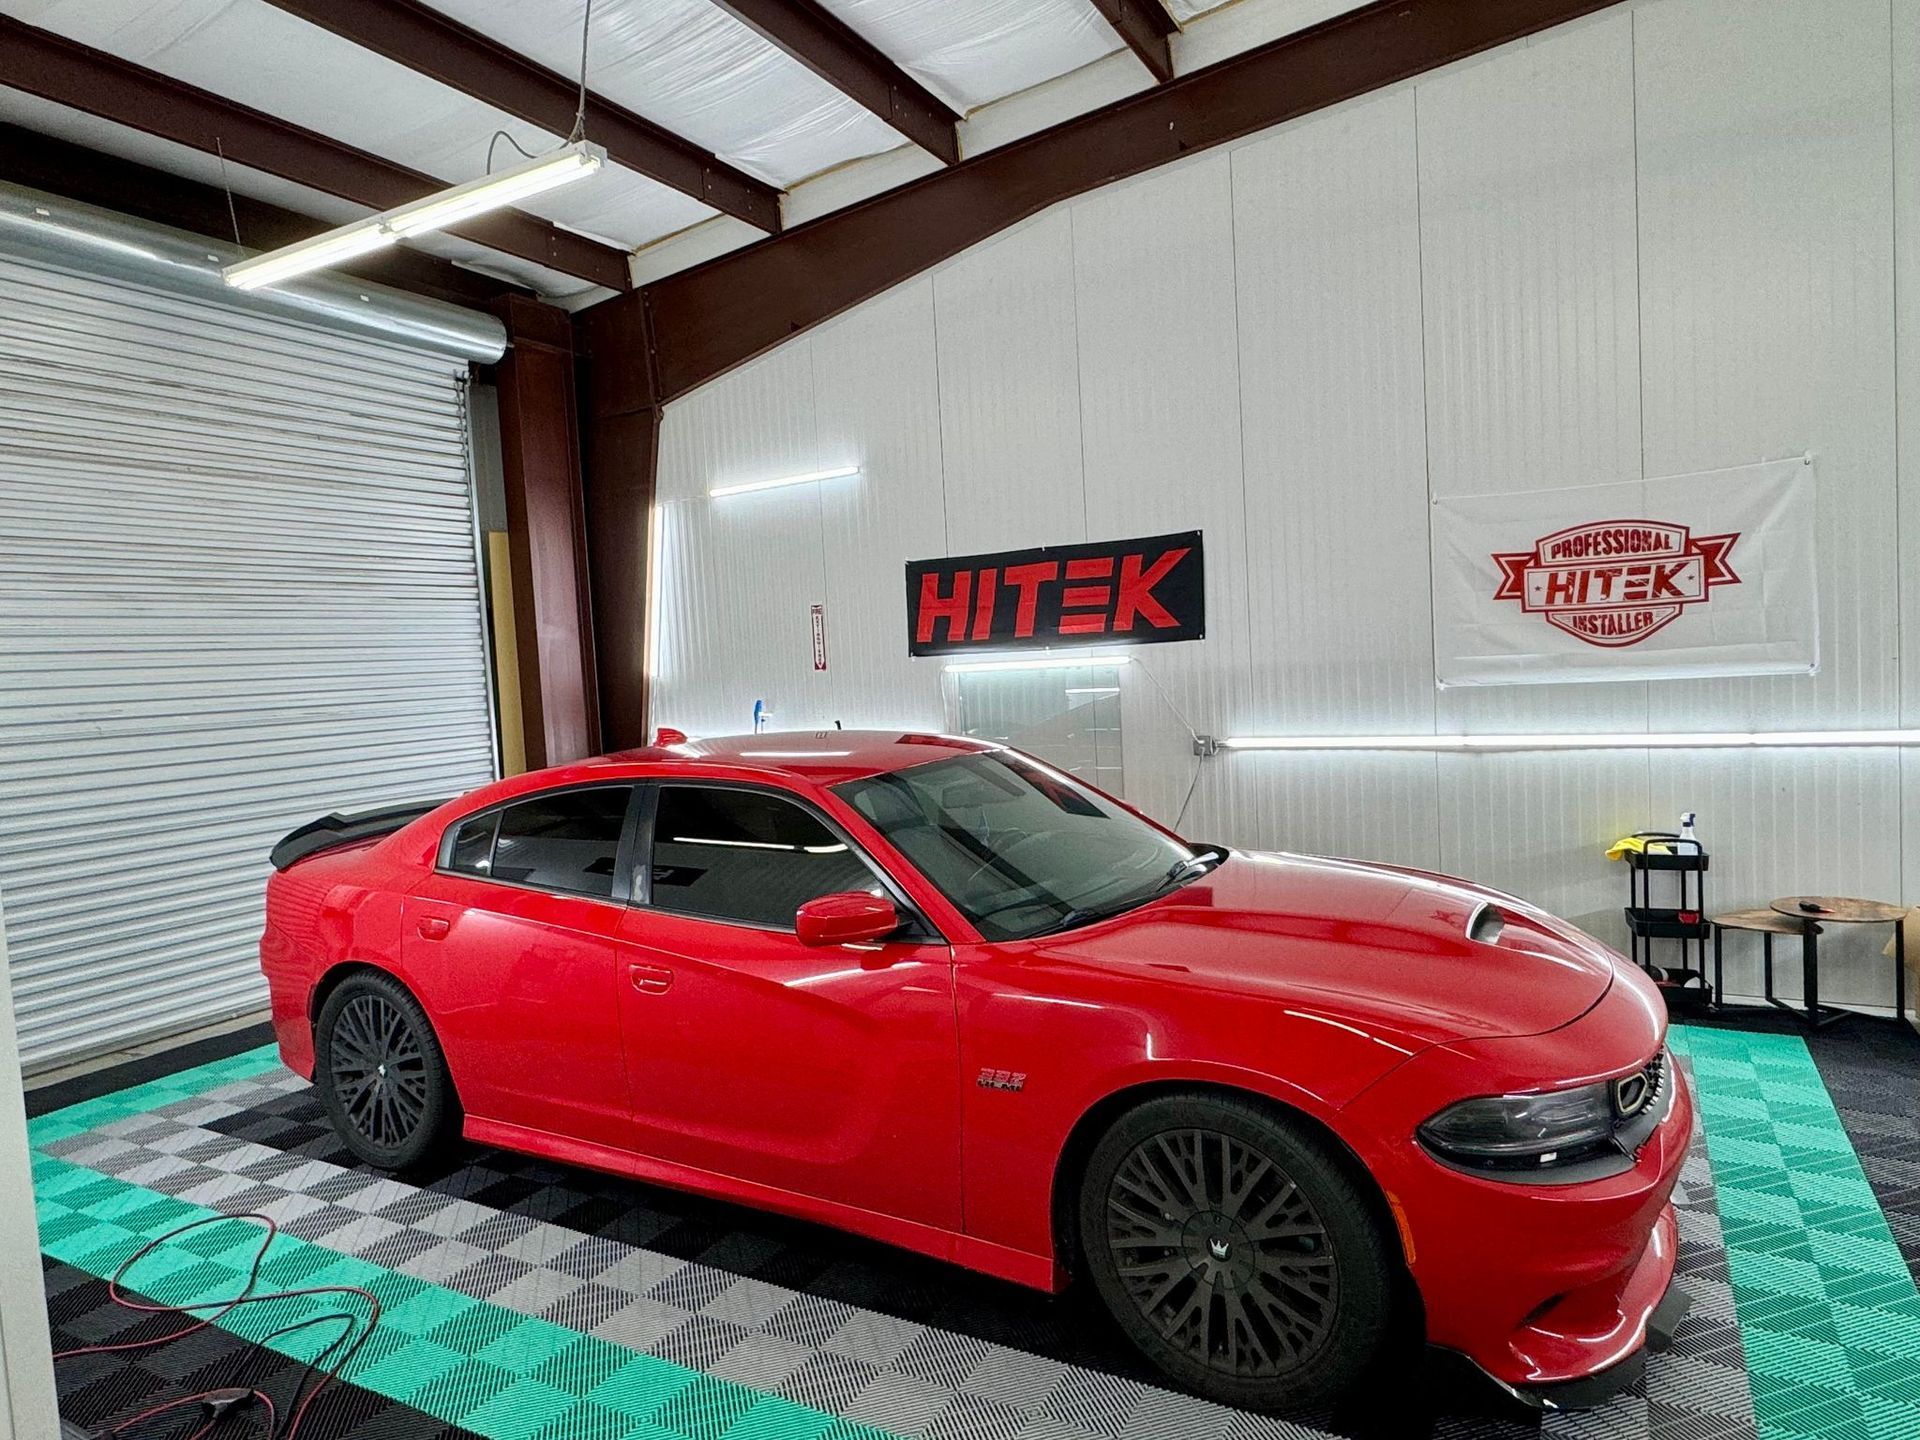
{"x": 1068, "y": 715}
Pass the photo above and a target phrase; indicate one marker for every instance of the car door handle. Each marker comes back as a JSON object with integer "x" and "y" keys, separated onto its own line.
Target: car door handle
{"x": 650, "y": 979}
{"x": 434, "y": 927}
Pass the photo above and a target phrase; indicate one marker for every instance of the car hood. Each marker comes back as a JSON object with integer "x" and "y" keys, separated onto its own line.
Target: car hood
{"x": 1373, "y": 946}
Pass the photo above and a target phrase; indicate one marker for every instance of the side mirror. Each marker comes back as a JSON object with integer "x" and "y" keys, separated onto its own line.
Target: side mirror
{"x": 845, "y": 919}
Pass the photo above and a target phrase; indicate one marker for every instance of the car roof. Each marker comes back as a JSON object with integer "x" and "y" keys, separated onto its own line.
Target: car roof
{"x": 823, "y": 757}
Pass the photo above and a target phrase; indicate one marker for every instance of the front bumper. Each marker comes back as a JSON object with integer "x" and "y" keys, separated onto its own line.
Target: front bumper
{"x": 1539, "y": 1286}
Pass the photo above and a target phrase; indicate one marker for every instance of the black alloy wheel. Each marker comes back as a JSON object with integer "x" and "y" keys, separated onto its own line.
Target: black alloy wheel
{"x": 1235, "y": 1252}
{"x": 381, "y": 1075}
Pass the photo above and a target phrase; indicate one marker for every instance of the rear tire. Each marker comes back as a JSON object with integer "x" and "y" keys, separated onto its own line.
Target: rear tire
{"x": 1236, "y": 1252}
{"x": 381, "y": 1074}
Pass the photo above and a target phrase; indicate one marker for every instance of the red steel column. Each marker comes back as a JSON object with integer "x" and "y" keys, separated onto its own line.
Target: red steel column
{"x": 621, "y": 425}
{"x": 546, "y": 534}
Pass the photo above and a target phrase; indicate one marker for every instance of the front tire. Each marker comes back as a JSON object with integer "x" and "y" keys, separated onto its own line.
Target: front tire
{"x": 1235, "y": 1251}
{"x": 381, "y": 1074}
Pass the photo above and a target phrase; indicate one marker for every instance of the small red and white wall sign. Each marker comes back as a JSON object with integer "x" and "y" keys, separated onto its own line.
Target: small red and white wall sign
{"x": 819, "y": 637}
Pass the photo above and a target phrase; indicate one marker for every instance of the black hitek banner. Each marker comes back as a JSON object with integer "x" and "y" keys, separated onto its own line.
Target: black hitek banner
{"x": 1136, "y": 591}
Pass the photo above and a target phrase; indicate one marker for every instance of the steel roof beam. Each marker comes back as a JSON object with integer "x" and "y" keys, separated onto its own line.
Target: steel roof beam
{"x": 431, "y": 44}
{"x": 1145, "y": 26}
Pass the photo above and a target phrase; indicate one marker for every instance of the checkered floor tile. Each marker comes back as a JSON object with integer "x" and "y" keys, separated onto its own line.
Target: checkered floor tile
{"x": 536, "y": 1299}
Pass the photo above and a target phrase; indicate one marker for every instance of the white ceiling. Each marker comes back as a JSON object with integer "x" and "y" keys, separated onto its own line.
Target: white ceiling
{"x": 684, "y": 64}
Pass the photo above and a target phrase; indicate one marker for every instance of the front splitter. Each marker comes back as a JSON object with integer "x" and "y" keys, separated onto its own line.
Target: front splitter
{"x": 1592, "y": 1391}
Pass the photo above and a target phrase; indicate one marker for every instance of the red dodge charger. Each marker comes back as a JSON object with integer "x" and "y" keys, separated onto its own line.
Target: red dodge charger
{"x": 936, "y": 992}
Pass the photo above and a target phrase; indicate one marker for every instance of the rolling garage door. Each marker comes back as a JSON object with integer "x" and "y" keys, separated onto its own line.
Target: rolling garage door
{"x": 237, "y": 590}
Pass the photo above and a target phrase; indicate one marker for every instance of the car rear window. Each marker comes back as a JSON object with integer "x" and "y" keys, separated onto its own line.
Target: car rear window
{"x": 567, "y": 841}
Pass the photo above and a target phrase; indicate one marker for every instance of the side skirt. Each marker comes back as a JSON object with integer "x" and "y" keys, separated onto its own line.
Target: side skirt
{"x": 1037, "y": 1272}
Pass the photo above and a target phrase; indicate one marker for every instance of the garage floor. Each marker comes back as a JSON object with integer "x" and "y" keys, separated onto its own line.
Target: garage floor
{"x": 524, "y": 1299}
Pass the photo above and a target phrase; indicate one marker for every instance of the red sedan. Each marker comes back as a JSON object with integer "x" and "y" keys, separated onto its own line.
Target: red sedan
{"x": 938, "y": 993}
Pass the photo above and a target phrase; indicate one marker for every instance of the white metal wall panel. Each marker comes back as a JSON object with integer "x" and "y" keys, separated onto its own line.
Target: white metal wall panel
{"x": 1326, "y": 229}
{"x": 877, "y": 399}
{"x": 1906, "y": 221}
{"x": 1160, "y": 408}
{"x": 1010, "y": 391}
{"x": 1532, "y": 341}
{"x": 238, "y": 589}
{"x": 742, "y": 571}
{"x": 1292, "y": 342}
{"x": 1364, "y": 806}
{"x": 1906, "y": 234}
{"x": 1535, "y": 825}
{"x": 1766, "y": 227}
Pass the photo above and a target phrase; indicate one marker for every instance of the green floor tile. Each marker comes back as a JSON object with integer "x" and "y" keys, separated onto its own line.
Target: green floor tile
{"x": 776, "y": 1419}
{"x": 1827, "y": 1308}
{"x": 637, "y": 1390}
{"x": 521, "y": 1410}
{"x": 705, "y": 1410}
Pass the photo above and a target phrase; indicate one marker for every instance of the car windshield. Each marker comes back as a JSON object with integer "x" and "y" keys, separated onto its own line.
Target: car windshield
{"x": 1020, "y": 849}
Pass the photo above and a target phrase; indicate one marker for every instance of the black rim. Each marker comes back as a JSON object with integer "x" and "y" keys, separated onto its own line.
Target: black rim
{"x": 379, "y": 1070}
{"x": 1221, "y": 1253}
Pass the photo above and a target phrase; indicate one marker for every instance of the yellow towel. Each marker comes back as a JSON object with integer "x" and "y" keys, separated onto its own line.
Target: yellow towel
{"x": 1636, "y": 845}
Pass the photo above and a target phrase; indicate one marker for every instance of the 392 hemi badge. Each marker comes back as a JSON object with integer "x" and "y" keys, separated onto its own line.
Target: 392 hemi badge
{"x": 1615, "y": 582}
{"x": 1002, "y": 1080}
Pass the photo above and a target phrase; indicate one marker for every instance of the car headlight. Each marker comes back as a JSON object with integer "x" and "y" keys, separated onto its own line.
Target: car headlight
{"x": 1566, "y": 1135}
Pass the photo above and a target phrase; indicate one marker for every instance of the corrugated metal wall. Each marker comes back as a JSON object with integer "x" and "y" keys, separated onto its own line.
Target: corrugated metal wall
{"x": 238, "y": 589}
{"x": 1661, "y": 240}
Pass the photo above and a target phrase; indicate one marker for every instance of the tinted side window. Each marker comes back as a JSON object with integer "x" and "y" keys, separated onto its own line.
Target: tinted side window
{"x": 564, "y": 842}
{"x": 472, "y": 852}
{"x": 746, "y": 856}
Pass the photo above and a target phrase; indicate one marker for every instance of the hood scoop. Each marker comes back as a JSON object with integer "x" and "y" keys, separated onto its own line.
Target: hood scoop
{"x": 1487, "y": 924}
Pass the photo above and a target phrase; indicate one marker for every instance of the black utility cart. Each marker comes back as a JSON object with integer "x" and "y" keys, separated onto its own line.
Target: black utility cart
{"x": 1678, "y": 859}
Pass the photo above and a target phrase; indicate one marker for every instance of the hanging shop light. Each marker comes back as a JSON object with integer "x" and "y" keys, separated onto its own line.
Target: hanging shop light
{"x": 573, "y": 161}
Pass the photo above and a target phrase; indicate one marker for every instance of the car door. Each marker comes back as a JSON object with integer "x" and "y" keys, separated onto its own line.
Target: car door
{"x": 820, "y": 1071}
{"x": 516, "y": 938}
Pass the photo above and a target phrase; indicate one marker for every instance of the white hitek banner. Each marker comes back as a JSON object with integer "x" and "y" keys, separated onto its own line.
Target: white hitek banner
{"x": 1708, "y": 574}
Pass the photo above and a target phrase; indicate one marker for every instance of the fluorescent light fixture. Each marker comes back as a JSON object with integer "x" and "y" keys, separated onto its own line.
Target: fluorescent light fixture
{"x": 1659, "y": 740}
{"x": 1046, "y": 662}
{"x": 433, "y": 212}
{"x": 1093, "y": 690}
{"x": 308, "y": 255}
{"x": 779, "y": 480}
{"x": 492, "y": 192}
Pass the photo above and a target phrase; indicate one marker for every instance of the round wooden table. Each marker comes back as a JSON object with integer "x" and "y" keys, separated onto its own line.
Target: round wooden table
{"x": 1810, "y": 912}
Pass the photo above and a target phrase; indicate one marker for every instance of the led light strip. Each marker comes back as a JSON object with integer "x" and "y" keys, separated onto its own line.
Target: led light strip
{"x": 1706, "y": 740}
{"x": 1047, "y": 662}
{"x": 777, "y": 481}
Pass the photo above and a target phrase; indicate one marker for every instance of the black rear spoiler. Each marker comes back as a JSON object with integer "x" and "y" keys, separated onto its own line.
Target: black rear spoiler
{"x": 332, "y": 831}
